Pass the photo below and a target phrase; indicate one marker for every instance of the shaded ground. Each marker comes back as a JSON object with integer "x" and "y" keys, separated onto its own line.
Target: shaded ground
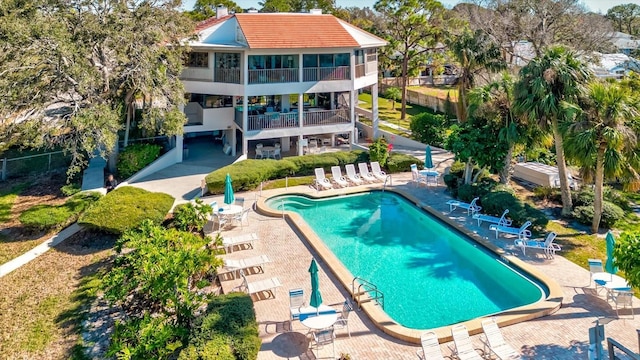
{"x": 39, "y": 303}
{"x": 15, "y": 239}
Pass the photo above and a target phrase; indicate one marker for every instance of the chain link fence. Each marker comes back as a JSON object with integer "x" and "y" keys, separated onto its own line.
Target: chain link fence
{"x": 33, "y": 164}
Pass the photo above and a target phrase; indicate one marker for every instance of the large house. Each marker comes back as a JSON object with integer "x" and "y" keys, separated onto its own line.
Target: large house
{"x": 278, "y": 78}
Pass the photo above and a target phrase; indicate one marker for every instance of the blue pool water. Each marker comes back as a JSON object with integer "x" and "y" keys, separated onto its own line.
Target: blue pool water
{"x": 431, "y": 275}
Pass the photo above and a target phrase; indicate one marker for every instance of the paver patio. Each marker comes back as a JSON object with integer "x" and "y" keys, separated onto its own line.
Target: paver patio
{"x": 563, "y": 335}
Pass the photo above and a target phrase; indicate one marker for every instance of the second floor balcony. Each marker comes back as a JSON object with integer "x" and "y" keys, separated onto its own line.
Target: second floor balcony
{"x": 271, "y": 76}
{"x": 275, "y": 120}
{"x": 326, "y": 73}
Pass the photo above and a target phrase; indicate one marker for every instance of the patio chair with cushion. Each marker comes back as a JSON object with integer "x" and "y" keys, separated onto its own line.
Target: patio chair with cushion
{"x": 595, "y": 266}
{"x": 522, "y": 232}
{"x": 471, "y": 207}
{"x": 296, "y": 301}
{"x": 365, "y": 174}
{"x": 337, "y": 177}
{"x": 430, "y": 347}
{"x": 463, "y": 348}
{"x": 321, "y": 181}
{"x": 416, "y": 177}
{"x": 494, "y": 342}
{"x": 502, "y": 220}
{"x": 548, "y": 246}
{"x": 352, "y": 175}
{"x": 239, "y": 201}
{"x": 377, "y": 172}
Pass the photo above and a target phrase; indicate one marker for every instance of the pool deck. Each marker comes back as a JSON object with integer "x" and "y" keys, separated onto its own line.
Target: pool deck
{"x": 562, "y": 335}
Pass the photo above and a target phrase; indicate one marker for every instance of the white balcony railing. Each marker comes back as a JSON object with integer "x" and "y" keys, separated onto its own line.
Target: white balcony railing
{"x": 230, "y": 76}
{"x": 272, "y": 121}
{"x": 326, "y": 117}
{"x": 326, "y": 73}
{"x": 271, "y": 76}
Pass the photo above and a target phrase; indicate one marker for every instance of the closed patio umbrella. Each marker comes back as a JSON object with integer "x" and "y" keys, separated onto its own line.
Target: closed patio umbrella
{"x": 428, "y": 160}
{"x": 316, "y": 298}
{"x": 611, "y": 243}
{"x": 228, "y": 191}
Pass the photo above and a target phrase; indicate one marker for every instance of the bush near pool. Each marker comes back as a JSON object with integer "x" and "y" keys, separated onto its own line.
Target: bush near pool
{"x": 248, "y": 174}
{"x": 125, "y": 208}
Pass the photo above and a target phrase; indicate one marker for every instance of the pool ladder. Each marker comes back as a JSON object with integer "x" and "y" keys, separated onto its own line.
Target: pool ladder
{"x": 367, "y": 288}
{"x": 384, "y": 187}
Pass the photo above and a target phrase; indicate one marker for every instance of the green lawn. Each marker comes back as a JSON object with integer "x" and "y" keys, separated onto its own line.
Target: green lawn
{"x": 292, "y": 181}
{"x": 388, "y": 113}
{"x": 439, "y": 92}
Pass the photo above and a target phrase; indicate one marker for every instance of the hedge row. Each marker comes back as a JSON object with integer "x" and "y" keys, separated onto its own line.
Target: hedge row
{"x": 228, "y": 331}
{"x": 125, "y": 208}
{"x": 46, "y": 217}
{"x": 248, "y": 174}
{"x": 135, "y": 157}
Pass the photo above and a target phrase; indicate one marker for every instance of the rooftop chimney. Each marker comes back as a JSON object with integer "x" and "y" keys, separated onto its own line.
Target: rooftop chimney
{"x": 221, "y": 11}
{"x": 315, "y": 11}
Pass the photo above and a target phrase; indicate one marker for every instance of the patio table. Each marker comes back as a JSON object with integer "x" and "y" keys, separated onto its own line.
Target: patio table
{"x": 268, "y": 151}
{"x": 319, "y": 322}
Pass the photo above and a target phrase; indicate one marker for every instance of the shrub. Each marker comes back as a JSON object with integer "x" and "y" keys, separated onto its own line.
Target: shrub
{"x": 610, "y": 214}
{"x": 191, "y": 217}
{"x": 379, "y": 151}
{"x": 583, "y": 197}
{"x": 398, "y": 162}
{"x": 70, "y": 189}
{"x": 547, "y": 193}
{"x": 125, "y": 208}
{"x": 248, "y": 174}
{"x": 230, "y": 316}
{"x": 45, "y": 217}
{"x": 494, "y": 203}
{"x": 627, "y": 256}
{"x": 146, "y": 338}
{"x": 429, "y": 128}
{"x": 135, "y": 157}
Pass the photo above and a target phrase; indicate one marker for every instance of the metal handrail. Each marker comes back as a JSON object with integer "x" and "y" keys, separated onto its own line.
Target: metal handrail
{"x": 612, "y": 345}
{"x": 368, "y": 287}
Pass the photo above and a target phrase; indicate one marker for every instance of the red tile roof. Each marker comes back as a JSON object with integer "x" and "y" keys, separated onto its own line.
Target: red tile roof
{"x": 293, "y": 31}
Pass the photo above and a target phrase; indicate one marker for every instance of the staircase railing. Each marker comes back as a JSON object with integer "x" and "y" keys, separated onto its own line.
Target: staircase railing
{"x": 366, "y": 288}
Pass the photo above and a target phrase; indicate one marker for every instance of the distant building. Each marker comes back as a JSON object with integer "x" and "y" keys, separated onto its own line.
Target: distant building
{"x": 614, "y": 65}
{"x": 625, "y": 43}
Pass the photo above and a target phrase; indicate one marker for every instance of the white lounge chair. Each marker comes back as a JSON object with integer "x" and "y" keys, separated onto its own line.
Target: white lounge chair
{"x": 235, "y": 265}
{"x": 547, "y": 245}
{"x": 463, "y": 348}
{"x": 365, "y": 174}
{"x": 502, "y": 220}
{"x": 494, "y": 342}
{"x": 321, "y": 181}
{"x": 352, "y": 175}
{"x": 430, "y": 347}
{"x": 267, "y": 285}
{"x": 522, "y": 232}
{"x": 336, "y": 176}
{"x": 595, "y": 267}
{"x": 377, "y": 172}
{"x": 471, "y": 207}
{"x": 230, "y": 242}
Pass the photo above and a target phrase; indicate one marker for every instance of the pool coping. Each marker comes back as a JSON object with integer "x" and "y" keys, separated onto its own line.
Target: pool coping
{"x": 381, "y": 320}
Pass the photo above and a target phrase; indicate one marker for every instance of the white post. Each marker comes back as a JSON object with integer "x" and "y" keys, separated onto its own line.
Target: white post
{"x": 374, "y": 110}
{"x": 352, "y": 115}
{"x": 245, "y": 123}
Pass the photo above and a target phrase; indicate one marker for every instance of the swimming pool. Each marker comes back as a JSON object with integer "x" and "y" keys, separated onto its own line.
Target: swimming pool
{"x": 431, "y": 275}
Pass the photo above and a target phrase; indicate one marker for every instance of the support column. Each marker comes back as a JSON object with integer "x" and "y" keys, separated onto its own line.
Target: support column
{"x": 374, "y": 110}
{"x": 300, "y": 149}
{"x": 352, "y": 115}
{"x": 179, "y": 147}
{"x": 245, "y": 124}
{"x": 234, "y": 141}
{"x": 300, "y": 122}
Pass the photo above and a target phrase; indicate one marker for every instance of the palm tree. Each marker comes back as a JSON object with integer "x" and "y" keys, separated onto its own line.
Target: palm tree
{"x": 496, "y": 100}
{"x": 602, "y": 137}
{"x": 545, "y": 83}
{"x": 475, "y": 53}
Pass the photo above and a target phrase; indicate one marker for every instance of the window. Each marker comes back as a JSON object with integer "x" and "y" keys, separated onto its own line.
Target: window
{"x": 227, "y": 60}
{"x": 326, "y": 60}
{"x": 212, "y": 101}
{"x": 198, "y": 60}
{"x": 273, "y": 62}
